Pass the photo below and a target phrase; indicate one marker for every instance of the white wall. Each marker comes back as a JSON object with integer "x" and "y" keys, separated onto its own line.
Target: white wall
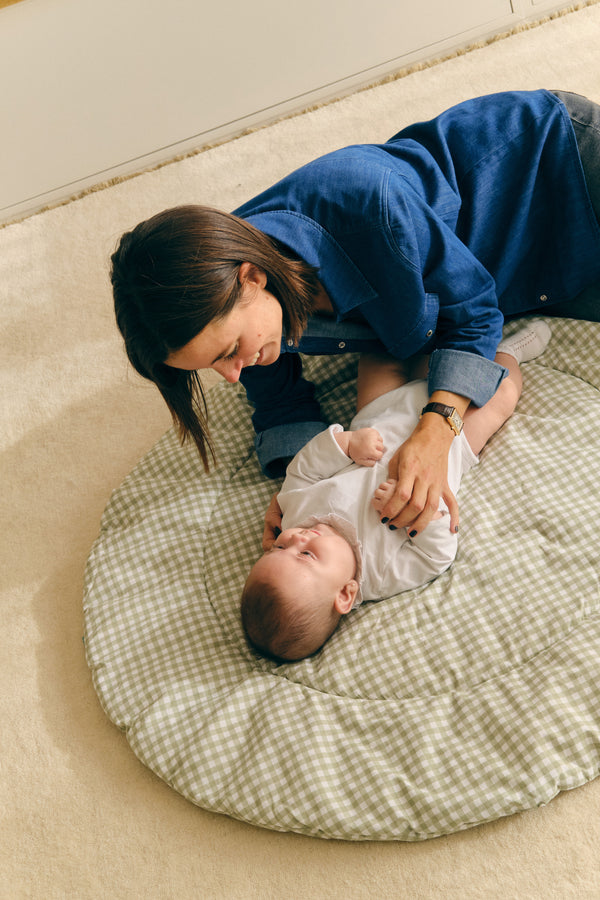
{"x": 93, "y": 89}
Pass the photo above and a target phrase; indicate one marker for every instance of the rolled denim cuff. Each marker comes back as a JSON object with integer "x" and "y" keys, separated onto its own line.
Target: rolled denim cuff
{"x": 466, "y": 374}
{"x": 276, "y": 446}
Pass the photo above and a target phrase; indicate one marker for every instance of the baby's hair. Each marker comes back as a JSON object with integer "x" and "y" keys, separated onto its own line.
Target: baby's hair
{"x": 277, "y": 628}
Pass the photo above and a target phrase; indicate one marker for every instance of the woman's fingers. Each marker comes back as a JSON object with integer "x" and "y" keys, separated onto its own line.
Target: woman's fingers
{"x": 272, "y": 528}
{"x": 410, "y": 492}
{"x": 421, "y": 474}
{"x": 452, "y": 504}
{"x": 418, "y": 510}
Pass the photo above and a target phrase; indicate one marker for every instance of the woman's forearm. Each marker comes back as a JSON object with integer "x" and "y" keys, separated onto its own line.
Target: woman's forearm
{"x": 460, "y": 403}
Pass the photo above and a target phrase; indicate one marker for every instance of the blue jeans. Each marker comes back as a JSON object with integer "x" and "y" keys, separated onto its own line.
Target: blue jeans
{"x": 585, "y": 118}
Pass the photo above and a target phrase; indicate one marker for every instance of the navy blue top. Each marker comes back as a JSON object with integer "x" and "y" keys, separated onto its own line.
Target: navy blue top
{"x": 429, "y": 240}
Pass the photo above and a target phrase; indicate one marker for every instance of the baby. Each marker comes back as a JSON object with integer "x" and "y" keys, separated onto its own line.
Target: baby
{"x": 333, "y": 551}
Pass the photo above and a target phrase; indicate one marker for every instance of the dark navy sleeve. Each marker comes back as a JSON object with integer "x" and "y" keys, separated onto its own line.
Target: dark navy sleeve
{"x": 286, "y": 412}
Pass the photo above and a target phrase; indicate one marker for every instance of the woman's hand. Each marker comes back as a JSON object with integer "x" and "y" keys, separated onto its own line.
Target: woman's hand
{"x": 273, "y": 518}
{"x": 420, "y": 467}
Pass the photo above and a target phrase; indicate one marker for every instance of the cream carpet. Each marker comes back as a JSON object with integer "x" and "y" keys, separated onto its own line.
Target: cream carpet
{"x": 82, "y": 818}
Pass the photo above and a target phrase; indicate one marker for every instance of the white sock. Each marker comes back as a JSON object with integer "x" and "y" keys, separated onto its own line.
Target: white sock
{"x": 527, "y": 343}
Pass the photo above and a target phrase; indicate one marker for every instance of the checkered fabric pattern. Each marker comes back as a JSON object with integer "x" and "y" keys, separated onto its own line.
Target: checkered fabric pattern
{"x": 471, "y": 698}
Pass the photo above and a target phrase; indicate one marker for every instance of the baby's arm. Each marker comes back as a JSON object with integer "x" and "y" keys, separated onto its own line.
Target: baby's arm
{"x": 364, "y": 446}
{"x": 322, "y": 457}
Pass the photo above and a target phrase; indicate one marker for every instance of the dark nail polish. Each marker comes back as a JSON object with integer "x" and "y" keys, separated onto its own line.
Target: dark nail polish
{"x": 393, "y": 528}
{"x": 384, "y": 521}
{"x": 456, "y": 529}
{"x": 412, "y": 533}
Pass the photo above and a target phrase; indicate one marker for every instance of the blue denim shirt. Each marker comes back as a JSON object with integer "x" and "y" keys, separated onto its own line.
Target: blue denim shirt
{"x": 429, "y": 240}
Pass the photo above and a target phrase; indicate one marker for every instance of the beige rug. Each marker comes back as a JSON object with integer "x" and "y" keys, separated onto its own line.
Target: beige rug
{"x": 82, "y": 818}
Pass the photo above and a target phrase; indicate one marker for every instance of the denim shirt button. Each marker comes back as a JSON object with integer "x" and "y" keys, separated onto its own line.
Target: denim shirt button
{"x": 341, "y": 345}
{"x": 543, "y": 297}
{"x": 290, "y": 343}
{"x": 429, "y": 333}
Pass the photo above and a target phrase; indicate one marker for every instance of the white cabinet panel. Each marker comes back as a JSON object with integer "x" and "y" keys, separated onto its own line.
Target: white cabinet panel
{"x": 93, "y": 89}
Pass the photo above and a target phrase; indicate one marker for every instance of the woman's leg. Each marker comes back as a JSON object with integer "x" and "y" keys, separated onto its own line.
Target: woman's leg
{"x": 379, "y": 373}
{"x": 480, "y": 423}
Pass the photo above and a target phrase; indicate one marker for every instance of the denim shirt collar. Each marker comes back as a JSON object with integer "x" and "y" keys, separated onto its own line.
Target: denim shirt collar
{"x": 345, "y": 284}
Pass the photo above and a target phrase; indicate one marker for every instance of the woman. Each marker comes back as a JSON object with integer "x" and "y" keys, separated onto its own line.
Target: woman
{"x": 421, "y": 245}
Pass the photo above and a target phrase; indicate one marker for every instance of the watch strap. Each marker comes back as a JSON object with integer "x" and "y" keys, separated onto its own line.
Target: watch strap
{"x": 450, "y": 414}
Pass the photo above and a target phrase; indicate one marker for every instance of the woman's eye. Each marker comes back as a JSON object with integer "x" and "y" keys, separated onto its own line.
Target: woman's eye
{"x": 307, "y": 553}
{"x": 232, "y": 354}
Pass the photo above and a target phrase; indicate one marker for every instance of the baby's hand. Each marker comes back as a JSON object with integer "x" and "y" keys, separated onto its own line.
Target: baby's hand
{"x": 383, "y": 493}
{"x": 365, "y": 446}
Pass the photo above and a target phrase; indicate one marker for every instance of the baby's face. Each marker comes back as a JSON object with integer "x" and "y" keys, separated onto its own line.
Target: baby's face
{"x": 316, "y": 559}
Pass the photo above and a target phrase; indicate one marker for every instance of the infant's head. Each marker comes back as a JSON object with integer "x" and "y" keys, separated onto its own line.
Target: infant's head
{"x": 298, "y": 590}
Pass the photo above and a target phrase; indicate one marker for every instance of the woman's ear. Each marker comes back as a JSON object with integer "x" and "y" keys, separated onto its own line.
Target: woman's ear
{"x": 344, "y": 600}
{"x": 250, "y": 274}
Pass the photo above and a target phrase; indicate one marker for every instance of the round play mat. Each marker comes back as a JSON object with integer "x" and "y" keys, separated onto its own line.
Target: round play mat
{"x": 468, "y": 699}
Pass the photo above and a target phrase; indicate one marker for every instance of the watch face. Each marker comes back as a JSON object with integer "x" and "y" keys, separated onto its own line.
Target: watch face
{"x": 456, "y": 423}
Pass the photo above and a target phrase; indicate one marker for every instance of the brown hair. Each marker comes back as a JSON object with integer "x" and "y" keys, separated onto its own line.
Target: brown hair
{"x": 178, "y": 271}
{"x": 278, "y": 628}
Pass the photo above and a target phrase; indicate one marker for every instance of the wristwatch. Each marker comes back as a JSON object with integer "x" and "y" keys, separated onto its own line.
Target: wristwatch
{"x": 448, "y": 412}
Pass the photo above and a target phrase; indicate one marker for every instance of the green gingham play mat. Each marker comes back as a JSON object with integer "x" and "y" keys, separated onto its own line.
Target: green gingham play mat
{"x": 469, "y": 699}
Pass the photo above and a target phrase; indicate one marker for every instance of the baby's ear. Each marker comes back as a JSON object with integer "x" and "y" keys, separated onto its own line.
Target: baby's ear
{"x": 344, "y": 599}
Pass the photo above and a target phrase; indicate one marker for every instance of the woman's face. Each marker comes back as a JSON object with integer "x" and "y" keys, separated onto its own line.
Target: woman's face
{"x": 250, "y": 335}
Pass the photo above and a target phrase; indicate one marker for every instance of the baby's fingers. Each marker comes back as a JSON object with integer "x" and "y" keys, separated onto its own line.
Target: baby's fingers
{"x": 382, "y": 494}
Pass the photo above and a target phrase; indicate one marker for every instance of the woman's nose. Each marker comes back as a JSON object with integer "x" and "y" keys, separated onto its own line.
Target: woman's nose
{"x": 231, "y": 371}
